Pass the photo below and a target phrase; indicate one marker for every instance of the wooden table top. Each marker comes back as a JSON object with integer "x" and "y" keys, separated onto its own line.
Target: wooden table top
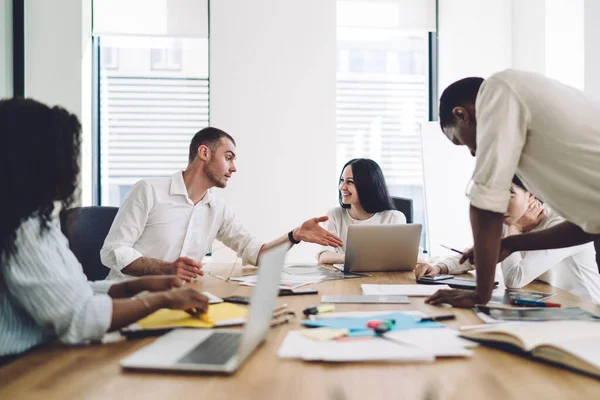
{"x": 57, "y": 371}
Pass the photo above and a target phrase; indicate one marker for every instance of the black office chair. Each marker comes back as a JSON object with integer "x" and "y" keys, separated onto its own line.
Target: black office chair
{"x": 405, "y": 206}
{"x": 86, "y": 228}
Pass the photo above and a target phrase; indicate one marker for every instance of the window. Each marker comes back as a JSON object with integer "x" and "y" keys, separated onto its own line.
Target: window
{"x": 109, "y": 58}
{"x": 151, "y": 87}
{"x": 167, "y": 58}
{"x": 383, "y": 95}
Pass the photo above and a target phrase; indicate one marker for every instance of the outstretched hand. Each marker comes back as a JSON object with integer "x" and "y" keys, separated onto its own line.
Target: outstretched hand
{"x": 310, "y": 231}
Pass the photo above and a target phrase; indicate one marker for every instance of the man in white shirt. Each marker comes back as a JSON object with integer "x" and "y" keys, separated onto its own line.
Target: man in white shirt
{"x": 546, "y": 133}
{"x": 573, "y": 268}
{"x": 165, "y": 226}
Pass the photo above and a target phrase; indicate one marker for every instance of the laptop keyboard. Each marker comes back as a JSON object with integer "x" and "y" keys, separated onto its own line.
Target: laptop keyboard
{"x": 217, "y": 349}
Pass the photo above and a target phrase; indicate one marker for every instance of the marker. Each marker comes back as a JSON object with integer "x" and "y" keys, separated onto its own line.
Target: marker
{"x": 318, "y": 310}
{"x": 438, "y": 318}
{"x": 533, "y": 303}
{"x": 450, "y": 248}
{"x": 374, "y": 323}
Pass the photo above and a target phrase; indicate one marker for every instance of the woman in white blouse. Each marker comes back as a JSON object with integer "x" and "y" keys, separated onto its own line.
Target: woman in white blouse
{"x": 44, "y": 294}
{"x": 364, "y": 199}
{"x": 572, "y": 268}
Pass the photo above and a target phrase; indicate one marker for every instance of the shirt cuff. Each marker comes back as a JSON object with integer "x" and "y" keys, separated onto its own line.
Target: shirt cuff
{"x": 99, "y": 317}
{"x": 101, "y": 287}
{"x": 125, "y": 256}
{"x": 251, "y": 252}
{"x": 490, "y": 199}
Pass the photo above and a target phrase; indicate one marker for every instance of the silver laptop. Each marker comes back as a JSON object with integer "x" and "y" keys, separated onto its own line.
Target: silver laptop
{"x": 218, "y": 350}
{"x": 382, "y": 247}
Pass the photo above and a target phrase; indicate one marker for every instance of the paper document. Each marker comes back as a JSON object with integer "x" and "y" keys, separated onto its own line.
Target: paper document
{"x": 442, "y": 342}
{"x": 223, "y": 314}
{"x": 402, "y": 290}
{"x": 287, "y": 281}
{"x": 350, "y": 350}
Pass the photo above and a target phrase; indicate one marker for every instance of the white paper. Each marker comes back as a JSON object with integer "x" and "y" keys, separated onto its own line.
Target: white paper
{"x": 212, "y": 299}
{"x": 370, "y": 349}
{"x": 443, "y": 342}
{"x": 402, "y": 290}
{"x": 359, "y": 314}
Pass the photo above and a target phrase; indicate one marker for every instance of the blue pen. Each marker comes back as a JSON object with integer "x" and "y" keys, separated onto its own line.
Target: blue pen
{"x": 533, "y": 303}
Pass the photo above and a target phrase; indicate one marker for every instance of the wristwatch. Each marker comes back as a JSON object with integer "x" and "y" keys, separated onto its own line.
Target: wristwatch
{"x": 291, "y": 237}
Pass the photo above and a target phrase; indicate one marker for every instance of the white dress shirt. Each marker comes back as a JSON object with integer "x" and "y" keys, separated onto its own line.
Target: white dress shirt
{"x": 340, "y": 219}
{"x": 545, "y": 132}
{"x": 572, "y": 268}
{"x": 45, "y": 295}
{"x": 158, "y": 220}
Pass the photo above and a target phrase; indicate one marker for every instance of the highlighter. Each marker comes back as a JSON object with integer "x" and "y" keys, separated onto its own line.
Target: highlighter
{"x": 318, "y": 309}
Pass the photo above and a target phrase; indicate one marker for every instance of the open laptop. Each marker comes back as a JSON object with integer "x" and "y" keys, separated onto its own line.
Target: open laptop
{"x": 382, "y": 247}
{"x": 218, "y": 350}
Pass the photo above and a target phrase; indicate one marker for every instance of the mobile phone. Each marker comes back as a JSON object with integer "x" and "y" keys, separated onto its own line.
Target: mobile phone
{"x": 237, "y": 299}
{"x": 436, "y": 278}
{"x": 297, "y": 291}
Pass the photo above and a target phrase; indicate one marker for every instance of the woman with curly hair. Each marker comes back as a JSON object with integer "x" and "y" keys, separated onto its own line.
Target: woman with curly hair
{"x": 44, "y": 293}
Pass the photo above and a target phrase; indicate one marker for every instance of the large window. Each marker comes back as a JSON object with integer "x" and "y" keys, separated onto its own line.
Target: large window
{"x": 152, "y": 94}
{"x": 383, "y": 94}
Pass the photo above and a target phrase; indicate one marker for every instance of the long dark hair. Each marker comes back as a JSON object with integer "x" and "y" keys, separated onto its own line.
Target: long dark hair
{"x": 39, "y": 160}
{"x": 370, "y": 186}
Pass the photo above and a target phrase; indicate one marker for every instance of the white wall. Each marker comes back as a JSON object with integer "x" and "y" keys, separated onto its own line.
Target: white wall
{"x": 475, "y": 38}
{"x": 592, "y": 47}
{"x": 273, "y": 74}
{"x": 6, "y": 59}
{"x": 58, "y": 64}
{"x": 529, "y": 35}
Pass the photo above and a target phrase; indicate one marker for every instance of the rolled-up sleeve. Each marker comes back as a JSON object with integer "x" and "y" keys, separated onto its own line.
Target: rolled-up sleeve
{"x": 234, "y": 236}
{"x": 118, "y": 250}
{"x": 48, "y": 282}
{"x": 501, "y": 132}
{"x": 454, "y": 267}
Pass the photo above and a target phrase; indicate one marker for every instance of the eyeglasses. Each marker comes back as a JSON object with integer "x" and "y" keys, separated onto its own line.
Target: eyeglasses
{"x": 219, "y": 277}
{"x": 282, "y": 317}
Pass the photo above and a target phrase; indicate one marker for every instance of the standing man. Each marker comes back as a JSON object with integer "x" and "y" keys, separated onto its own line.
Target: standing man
{"x": 165, "y": 226}
{"x": 546, "y": 133}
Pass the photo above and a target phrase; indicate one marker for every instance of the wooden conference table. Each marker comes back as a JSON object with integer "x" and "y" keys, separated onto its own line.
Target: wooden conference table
{"x": 57, "y": 372}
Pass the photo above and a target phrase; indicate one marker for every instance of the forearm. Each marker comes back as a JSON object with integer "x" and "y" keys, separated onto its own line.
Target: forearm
{"x": 147, "y": 266}
{"x": 487, "y": 233}
{"x": 128, "y": 311}
{"x": 559, "y": 236}
{"x": 330, "y": 257}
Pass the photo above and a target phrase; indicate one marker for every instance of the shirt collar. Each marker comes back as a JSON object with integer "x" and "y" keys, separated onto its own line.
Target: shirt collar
{"x": 178, "y": 188}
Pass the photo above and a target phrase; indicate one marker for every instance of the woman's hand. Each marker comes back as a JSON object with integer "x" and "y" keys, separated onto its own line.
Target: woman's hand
{"x": 424, "y": 269}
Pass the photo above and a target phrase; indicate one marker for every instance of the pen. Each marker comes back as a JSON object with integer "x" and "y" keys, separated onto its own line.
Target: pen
{"x": 533, "y": 303}
{"x": 450, "y": 248}
{"x": 438, "y": 318}
{"x": 318, "y": 310}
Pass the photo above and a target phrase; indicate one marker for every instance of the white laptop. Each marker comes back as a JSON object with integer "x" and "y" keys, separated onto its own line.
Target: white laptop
{"x": 382, "y": 247}
{"x": 218, "y": 350}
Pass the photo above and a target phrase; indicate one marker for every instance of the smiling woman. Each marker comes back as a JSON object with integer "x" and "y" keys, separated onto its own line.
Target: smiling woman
{"x": 364, "y": 199}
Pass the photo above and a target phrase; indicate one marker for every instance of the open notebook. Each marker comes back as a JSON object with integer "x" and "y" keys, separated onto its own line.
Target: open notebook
{"x": 222, "y": 314}
{"x": 572, "y": 344}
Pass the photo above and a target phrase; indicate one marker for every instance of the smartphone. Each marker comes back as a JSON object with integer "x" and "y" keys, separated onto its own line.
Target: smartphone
{"x": 297, "y": 291}
{"x": 437, "y": 277}
{"x": 237, "y": 299}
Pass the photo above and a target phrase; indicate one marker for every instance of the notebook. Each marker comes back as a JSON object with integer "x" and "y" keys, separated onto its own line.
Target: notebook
{"x": 571, "y": 344}
{"x": 401, "y": 290}
{"x": 223, "y": 314}
{"x": 537, "y": 314}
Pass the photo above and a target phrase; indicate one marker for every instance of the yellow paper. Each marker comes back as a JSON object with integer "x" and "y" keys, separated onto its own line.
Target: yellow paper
{"x": 322, "y": 334}
{"x": 165, "y": 318}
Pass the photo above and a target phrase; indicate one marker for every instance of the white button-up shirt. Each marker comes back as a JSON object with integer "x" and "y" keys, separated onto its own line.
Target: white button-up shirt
{"x": 158, "y": 220}
{"x": 545, "y": 132}
{"x": 45, "y": 295}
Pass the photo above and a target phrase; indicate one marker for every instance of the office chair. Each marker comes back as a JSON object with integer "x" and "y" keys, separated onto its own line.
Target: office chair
{"x": 405, "y": 206}
{"x": 86, "y": 228}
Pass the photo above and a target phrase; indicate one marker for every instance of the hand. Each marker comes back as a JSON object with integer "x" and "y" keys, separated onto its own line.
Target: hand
{"x": 310, "y": 231}
{"x": 153, "y": 284}
{"x": 185, "y": 268}
{"x": 457, "y": 298}
{"x": 534, "y": 214}
{"x": 505, "y": 251}
{"x": 187, "y": 299}
{"x": 425, "y": 269}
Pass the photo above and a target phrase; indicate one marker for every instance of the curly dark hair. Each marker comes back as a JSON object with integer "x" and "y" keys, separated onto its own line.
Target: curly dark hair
{"x": 39, "y": 160}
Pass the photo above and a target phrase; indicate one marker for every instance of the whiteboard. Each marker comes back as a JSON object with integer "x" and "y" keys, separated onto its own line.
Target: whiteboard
{"x": 447, "y": 170}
